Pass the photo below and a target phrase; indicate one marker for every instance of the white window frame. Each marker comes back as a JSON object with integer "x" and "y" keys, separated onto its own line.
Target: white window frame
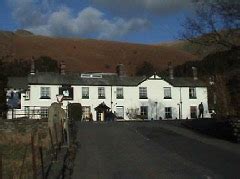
{"x": 192, "y": 93}
{"x": 143, "y": 93}
{"x": 101, "y": 93}
{"x": 86, "y": 111}
{"x": 45, "y": 92}
{"x": 144, "y": 112}
{"x": 168, "y": 112}
{"x": 167, "y": 93}
{"x": 119, "y": 93}
{"x": 85, "y": 92}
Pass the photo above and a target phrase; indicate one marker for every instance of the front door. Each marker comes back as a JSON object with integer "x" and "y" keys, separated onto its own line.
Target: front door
{"x": 193, "y": 112}
{"x": 100, "y": 116}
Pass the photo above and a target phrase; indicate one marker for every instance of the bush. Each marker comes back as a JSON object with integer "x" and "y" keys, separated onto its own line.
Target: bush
{"x": 75, "y": 111}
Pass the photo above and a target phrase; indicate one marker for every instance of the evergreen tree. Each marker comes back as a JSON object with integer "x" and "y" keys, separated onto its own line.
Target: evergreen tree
{"x": 146, "y": 69}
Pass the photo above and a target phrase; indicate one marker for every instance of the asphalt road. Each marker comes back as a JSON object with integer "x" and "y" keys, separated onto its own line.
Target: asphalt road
{"x": 144, "y": 151}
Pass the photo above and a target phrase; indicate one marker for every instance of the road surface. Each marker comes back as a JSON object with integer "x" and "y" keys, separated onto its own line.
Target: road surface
{"x": 140, "y": 151}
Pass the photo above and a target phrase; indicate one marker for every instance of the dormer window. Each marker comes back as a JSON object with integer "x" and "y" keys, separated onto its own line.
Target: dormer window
{"x": 86, "y": 75}
{"x": 45, "y": 93}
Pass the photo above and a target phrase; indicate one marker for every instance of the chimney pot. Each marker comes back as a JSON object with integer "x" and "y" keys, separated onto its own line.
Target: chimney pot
{"x": 195, "y": 76}
{"x": 120, "y": 70}
{"x": 171, "y": 72}
{"x": 62, "y": 68}
{"x": 33, "y": 70}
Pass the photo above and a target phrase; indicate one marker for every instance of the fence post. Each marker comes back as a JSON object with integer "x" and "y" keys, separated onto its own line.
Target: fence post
{"x": 33, "y": 157}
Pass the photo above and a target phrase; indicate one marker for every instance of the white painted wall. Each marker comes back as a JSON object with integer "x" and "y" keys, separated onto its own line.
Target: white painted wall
{"x": 131, "y": 98}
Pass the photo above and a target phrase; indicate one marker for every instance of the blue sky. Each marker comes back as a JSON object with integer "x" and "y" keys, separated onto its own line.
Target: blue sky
{"x": 136, "y": 21}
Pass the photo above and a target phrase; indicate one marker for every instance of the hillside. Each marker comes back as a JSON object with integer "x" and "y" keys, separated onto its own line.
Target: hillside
{"x": 89, "y": 55}
{"x": 195, "y": 49}
{"x": 224, "y": 69}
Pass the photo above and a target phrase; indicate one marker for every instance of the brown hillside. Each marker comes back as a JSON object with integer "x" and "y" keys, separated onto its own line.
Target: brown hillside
{"x": 89, "y": 55}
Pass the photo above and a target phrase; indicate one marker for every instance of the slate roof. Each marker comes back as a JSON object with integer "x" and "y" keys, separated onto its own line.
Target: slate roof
{"x": 17, "y": 82}
{"x": 185, "y": 82}
{"x": 106, "y": 80}
{"x": 75, "y": 79}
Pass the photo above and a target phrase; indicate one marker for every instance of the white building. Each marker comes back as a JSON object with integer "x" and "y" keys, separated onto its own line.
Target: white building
{"x": 128, "y": 97}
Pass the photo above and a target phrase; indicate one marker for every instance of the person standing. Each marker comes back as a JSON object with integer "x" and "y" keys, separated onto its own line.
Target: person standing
{"x": 201, "y": 110}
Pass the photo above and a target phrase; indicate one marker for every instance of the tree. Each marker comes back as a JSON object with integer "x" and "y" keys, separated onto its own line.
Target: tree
{"x": 146, "y": 69}
{"x": 46, "y": 64}
{"x": 3, "y": 86}
{"x": 215, "y": 22}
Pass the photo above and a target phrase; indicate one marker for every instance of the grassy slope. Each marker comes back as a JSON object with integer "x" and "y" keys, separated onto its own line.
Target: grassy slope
{"x": 90, "y": 55}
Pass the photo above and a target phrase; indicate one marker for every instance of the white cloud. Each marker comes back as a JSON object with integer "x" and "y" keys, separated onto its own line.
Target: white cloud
{"x": 62, "y": 22}
{"x": 152, "y": 6}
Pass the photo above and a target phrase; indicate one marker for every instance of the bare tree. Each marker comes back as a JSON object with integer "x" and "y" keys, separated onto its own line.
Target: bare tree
{"x": 214, "y": 22}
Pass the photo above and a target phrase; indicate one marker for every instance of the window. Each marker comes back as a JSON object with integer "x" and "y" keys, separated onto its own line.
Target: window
{"x": 167, "y": 93}
{"x": 44, "y": 112}
{"x": 168, "y": 113}
{"x": 143, "y": 92}
{"x": 86, "y": 110}
{"x": 27, "y": 95}
{"x": 85, "y": 92}
{"x": 119, "y": 93}
{"x": 192, "y": 93}
{"x": 101, "y": 93}
{"x": 193, "y": 111}
{"x": 120, "y": 112}
{"x": 144, "y": 112}
{"x": 45, "y": 93}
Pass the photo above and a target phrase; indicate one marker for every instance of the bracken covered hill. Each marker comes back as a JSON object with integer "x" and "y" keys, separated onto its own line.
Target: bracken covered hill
{"x": 84, "y": 55}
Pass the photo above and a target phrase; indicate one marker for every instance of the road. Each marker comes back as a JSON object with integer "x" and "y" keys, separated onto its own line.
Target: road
{"x": 141, "y": 151}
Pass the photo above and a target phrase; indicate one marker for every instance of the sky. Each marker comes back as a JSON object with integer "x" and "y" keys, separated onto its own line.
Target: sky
{"x": 134, "y": 21}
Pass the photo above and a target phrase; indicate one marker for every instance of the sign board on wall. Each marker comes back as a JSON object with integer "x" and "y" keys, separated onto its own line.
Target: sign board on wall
{"x": 67, "y": 92}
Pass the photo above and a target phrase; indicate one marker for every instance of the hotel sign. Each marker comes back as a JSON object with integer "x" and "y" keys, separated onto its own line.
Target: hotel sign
{"x": 67, "y": 92}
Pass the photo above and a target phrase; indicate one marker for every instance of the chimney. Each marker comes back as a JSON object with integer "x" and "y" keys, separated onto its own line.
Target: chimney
{"x": 33, "y": 70}
{"x": 170, "y": 69}
{"x": 120, "y": 70}
{"x": 62, "y": 68}
{"x": 194, "y": 69}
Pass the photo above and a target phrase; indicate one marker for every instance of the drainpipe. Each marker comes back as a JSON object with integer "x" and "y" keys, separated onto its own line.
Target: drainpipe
{"x": 180, "y": 107}
{"x": 111, "y": 98}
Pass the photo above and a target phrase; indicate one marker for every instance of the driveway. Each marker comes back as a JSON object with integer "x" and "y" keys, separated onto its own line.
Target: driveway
{"x": 138, "y": 150}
